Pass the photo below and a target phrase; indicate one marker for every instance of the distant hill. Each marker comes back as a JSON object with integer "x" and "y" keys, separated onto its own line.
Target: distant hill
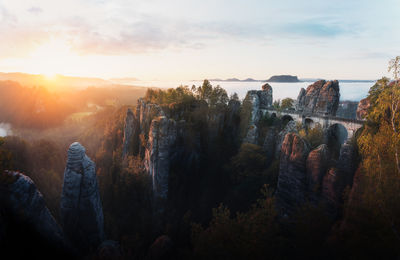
{"x": 237, "y": 80}
{"x": 283, "y": 78}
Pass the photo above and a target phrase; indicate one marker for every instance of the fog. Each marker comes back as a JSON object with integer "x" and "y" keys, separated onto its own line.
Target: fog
{"x": 5, "y": 129}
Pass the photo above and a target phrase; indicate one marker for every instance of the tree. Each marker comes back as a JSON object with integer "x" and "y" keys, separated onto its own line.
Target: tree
{"x": 287, "y": 103}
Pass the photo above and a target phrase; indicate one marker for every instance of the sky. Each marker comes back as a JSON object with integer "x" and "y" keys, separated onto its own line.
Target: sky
{"x": 190, "y": 40}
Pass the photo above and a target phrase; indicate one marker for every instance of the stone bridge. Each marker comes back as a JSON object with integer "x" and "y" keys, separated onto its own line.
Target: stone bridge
{"x": 326, "y": 122}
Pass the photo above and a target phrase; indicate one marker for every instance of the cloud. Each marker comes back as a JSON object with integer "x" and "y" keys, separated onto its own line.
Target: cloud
{"x": 35, "y": 10}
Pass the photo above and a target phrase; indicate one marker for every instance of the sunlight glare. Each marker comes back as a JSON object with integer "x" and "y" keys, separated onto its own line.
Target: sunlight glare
{"x": 52, "y": 58}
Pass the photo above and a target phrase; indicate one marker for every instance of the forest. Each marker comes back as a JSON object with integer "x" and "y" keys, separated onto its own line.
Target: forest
{"x": 222, "y": 199}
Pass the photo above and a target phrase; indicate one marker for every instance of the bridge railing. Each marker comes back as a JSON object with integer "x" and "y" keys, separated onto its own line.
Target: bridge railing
{"x": 286, "y": 111}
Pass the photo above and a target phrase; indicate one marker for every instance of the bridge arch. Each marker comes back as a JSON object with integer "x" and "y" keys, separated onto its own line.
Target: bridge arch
{"x": 308, "y": 123}
{"x": 287, "y": 118}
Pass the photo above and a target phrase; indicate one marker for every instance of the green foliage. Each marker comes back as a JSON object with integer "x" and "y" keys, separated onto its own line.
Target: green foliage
{"x": 252, "y": 235}
{"x": 313, "y": 135}
{"x": 277, "y": 104}
{"x": 214, "y": 96}
{"x": 250, "y": 161}
{"x": 287, "y": 103}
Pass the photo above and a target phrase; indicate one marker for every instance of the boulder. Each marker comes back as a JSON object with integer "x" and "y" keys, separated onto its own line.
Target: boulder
{"x": 362, "y": 109}
{"x": 81, "y": 209}
{"x": 292, "y": 181}
{"x": 321, "y": 97}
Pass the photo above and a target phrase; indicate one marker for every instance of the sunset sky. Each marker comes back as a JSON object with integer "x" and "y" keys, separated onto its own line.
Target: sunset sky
{"x": 176, "y": 40}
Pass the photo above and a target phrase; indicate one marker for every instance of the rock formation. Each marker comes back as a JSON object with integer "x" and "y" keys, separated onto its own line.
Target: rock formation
{"x": 162, "y": 135}
{"x": 131, "y": 134}
{"x": 339, "y": 177}
{"x": 255, "y": 101}
{"x": 292, "y": 182}
{"x": 362, "y": 109}
{"x": 269, "y": 145}
{"x": 317, "y": 165}
{"x": 321, "y": 97}
{"x": 19, "y": 195}
{"x": 289, "y": 128}
{"x": 81, "y": 209}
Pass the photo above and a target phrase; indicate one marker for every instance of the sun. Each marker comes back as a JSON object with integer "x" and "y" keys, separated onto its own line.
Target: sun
{"x": 50, "y": 76}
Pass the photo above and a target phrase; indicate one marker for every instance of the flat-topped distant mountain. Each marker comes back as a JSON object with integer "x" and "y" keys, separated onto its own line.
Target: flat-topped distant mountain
{"x": 283, "y": 78}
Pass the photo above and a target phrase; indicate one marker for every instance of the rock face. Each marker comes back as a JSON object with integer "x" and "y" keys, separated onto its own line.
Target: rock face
{"x": 255, "y": 101}
{"x": 321, "y": 97}
{"x": 338, "y": 178}
{"x": 21, "y": 197}
{"x": 317, "y": 165}
{"x": 131, "y": 134}
{"x": 269, "y": 145}
{"x": 362, "y": 109}
{"x": 162, "y": 135}
{"x": 289, "y": 128}
{"x": 292, "y": 184}
{"x": 81, "y": 209}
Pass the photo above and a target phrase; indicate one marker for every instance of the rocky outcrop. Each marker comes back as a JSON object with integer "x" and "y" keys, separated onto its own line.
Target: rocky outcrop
{"x": 255, "y": 101}
{"x": 292, "y": 181}
{"x": 20, "y": 197}
{"x": 289, "y": 128}
{"x": 131, "y": 134}
{"x": 338, "y": 178}
{"x": 362, "y": 109}
{"x": 81, "y": 209}
{"x": 265, "y": 96}
{"x": 162, "y": 135}
{"x": 321, "y": 97}
{"x": 145, "y": 112}
{"x": 317, "y": 165}
{"x": 269, "y": 145}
